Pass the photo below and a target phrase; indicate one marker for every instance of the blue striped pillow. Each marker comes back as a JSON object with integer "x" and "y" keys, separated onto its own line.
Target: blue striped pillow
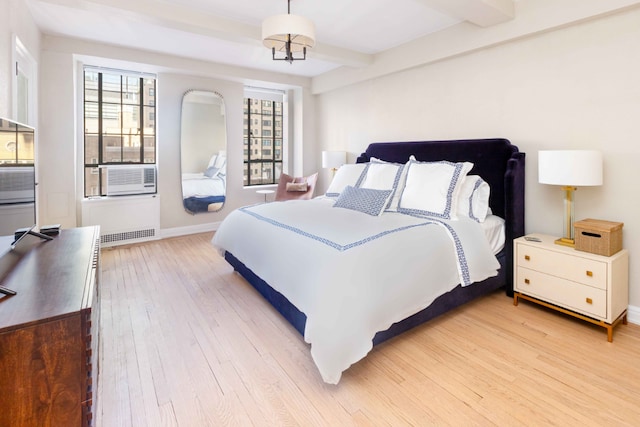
{"x": 366, "y": 200}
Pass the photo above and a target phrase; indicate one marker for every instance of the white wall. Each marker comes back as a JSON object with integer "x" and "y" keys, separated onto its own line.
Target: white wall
{"x": 61, "y": 130}
{"x": 575, "y": 87}
{"x": 57, "y": 144}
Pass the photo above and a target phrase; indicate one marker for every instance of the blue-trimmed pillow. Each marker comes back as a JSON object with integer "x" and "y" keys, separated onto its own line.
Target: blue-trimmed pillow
{"x": 366, "y": 200}
{"x": 473, "y": 200}
{"x": 381, "y": 175}
{"x": 432, "y": 188}
{"x": 348, "y": 174}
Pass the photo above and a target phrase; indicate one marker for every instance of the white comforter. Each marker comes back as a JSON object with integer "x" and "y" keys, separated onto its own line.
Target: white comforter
{"x": 199, "y": 185}
{"x": 350, "y": 273}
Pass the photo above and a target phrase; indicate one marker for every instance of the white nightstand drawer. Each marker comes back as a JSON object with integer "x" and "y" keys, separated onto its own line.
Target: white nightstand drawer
{"x": 574, "y": 296}
{"x": 570, "y": 267}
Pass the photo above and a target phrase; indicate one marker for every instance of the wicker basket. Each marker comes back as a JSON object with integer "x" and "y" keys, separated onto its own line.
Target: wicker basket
{"x": 598, "y": 236}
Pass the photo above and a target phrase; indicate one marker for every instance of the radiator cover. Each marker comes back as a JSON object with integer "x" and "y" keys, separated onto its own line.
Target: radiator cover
{"x": 123, "y": 219}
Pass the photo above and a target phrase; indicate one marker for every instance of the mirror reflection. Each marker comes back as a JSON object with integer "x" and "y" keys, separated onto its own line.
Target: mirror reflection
{"x": 203, "y": 145}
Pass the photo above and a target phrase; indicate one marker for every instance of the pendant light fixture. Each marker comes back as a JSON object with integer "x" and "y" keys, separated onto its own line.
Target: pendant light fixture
{"x": 288, "y": 34}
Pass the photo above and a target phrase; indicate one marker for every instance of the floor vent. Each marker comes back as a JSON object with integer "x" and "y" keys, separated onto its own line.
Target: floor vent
{"x": 129, "y": 235}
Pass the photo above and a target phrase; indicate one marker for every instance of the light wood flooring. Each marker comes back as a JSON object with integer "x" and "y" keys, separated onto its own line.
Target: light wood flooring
{"x": 185, "y": 341}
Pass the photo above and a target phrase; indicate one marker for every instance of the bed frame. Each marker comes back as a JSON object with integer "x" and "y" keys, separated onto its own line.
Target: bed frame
{"x": 498, "y": 162}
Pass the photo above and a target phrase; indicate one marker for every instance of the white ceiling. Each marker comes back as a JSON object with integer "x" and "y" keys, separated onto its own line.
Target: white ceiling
{"x": 348, "y": 32}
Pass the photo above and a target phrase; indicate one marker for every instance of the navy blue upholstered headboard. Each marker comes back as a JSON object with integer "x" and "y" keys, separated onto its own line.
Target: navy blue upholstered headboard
{"x": 496, "y": 160}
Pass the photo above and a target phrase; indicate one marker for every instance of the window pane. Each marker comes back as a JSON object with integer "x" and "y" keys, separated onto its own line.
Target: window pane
{"x": 91, "y": 86}
{"x": 91, "y": 117}
{"x": 149, "y": 92}
{"x": 111, "y": 148}
{"x": 256, "y": 128}
{"x": 149, "y": 120}
{"x": 278, "y": 172}
{"x": 130, "y": 120}
{"x": 130, "y": 90}
{"x": 131, "y": 148}
{"x": 111, "y": 88}
{"x": 91, "y": 149}
{"x": 149, "y": 149}
{"x": 111, "y": 118}
{"x": 91, "y": 182}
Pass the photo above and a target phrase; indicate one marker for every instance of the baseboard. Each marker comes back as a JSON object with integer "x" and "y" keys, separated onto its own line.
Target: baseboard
{"x": 633, "y": 314}
{"x": 190, "y": 229}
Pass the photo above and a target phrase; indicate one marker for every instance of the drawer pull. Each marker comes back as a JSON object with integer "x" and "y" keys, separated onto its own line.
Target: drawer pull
{"x": 526, "y": 281}
{"x": 589, "y": 301}
{"x": 589, "y": 273}
{"x": 527, "y": 257}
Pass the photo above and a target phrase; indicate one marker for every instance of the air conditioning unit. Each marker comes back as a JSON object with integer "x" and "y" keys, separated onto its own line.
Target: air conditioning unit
{"x": 17, "y": 184}
{"x": 131, "y": 179}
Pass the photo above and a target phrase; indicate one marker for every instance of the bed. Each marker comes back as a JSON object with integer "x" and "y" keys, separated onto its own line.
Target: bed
{"x": 202, "y": 193}
{"x": 347, "y": 281}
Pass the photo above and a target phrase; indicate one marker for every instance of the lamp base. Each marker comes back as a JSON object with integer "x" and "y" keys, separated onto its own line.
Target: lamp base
{"x": 564, "y": 241}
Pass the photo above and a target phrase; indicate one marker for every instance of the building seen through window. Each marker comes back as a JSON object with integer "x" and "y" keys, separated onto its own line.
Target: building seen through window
{"x": 263, "y": 141}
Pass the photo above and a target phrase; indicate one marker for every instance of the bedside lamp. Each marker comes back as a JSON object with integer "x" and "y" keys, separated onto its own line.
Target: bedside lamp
{"x": 570, "y": 169}
{"x": 333, "y": 160}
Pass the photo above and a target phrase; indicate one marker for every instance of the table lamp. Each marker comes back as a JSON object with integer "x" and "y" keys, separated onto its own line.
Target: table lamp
{"x": 570, "y": 169}
{"x": 333, "y": 160}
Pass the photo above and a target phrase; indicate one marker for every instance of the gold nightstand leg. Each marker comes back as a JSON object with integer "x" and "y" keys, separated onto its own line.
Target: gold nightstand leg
{"x": 609, "y": 327}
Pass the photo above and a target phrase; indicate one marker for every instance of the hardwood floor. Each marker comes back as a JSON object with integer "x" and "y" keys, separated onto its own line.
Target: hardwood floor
{"x": 185, "y": 341}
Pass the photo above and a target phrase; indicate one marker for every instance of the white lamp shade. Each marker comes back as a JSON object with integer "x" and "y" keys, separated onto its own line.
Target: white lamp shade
{"x": 333, "y": 159}
{"x": 574, "y": 168}
{"x": 276, "y": 29}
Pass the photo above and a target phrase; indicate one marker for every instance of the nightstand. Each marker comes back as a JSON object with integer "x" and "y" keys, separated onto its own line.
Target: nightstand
{"x": 591, "y": 287}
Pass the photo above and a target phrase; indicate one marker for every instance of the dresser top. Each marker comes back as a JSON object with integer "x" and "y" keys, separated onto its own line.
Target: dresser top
{"x": 547, "y": 243}
{"x": 51, "y": 279}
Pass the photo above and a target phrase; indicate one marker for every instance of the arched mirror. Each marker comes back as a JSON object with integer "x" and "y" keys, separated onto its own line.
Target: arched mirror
{"x": 203, "y": 145}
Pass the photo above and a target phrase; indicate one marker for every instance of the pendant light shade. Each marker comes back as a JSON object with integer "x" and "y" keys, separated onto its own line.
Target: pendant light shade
{"x": 288, "y": 34}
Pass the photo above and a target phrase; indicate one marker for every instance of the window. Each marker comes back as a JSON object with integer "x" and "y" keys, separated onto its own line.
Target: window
{"x": 119, "y": 123}
{"x": 263, "y": 132}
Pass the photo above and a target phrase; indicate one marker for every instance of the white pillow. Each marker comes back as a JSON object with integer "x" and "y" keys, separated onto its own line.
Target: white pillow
{"x": 381, "y": 175}
{"x": 473, "y": 199}
{"x": 221, "y": 160}
{"x": 365, "y": 200}
{"x": 432, "y": 188}
{"x": 348, "y": 174}
{"x": 212, "y": 161}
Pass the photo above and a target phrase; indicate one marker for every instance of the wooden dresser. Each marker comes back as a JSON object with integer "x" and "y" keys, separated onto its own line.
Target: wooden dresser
{"x": 49, "y": 333}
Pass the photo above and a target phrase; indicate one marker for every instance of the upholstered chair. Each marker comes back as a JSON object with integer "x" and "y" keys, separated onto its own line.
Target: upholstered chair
{"x": 294, "y": 188}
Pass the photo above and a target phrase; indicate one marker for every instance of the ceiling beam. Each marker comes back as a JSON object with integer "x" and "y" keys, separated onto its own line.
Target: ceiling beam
{"x": 483, "y": 13}
{"x": 190, "y": 20}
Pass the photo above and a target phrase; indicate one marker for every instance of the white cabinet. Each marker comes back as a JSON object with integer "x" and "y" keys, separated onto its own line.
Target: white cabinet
{"x": 591, "y": 287}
